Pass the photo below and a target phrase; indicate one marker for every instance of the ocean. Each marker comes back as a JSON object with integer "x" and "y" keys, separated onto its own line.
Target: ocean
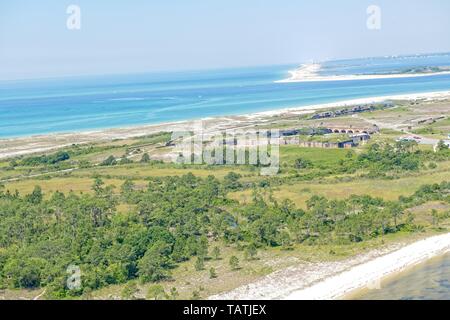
{"x": 31, "y": 107}
{"x": 427, "y": 281}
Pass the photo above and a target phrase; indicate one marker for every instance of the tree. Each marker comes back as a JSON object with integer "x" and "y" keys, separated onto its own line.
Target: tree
{"x": 154, "y": 265}
{"x": 234, "y": 263}
{"x": 36, "y": 196}
{"x": 250, "y": 252}
{"x": 442, "y": 146}
{"x": 156, "y": 292}
{"x": 145, "y": 158}
{"x": 25, "y": 273}
{"x": 202, "y": 247}
{"x": 216, "y": 253}
{"x": 231, "y": 181}
{"x": 199, "y": 264}
{"x": 97, "y": 186}
{"x": 435, "y": 216}
{"x": 110, "y": 161}
{"x": 212, "y": 273}
{"x": 396, "y": 212}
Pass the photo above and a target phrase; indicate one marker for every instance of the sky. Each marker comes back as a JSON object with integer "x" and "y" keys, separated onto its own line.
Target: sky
{"x": 127, "y": 36}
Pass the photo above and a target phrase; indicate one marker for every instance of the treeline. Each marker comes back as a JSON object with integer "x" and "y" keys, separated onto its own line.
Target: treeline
{"x": 176, "y": 219}
{"x": 378, "y": 160}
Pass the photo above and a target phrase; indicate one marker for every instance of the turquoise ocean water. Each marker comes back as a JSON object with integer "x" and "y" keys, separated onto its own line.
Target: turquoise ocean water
{"x": 32, "y": 107}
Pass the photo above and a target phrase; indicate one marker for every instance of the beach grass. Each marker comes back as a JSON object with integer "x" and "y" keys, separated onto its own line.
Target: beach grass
{"x": 319, "y": 156}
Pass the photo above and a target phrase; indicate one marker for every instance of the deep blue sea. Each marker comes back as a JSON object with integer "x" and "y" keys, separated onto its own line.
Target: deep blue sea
{"x": 31, "y": 107}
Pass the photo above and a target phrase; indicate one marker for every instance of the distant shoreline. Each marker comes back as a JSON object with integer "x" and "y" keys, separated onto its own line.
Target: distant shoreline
{"x": 12, "y": 147}
{"x": 310, "y": 73}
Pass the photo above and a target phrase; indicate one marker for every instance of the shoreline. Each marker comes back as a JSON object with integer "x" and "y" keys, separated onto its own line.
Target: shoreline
{"x": 360, "y": 294}
{"x": 371, "y": 273}
{"x": 336, "y": 280}
{"x": 310, "y": 73}
{"x": 18, "y": 146}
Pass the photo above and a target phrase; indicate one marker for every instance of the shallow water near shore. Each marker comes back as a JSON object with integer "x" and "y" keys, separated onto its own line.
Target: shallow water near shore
{"x": 75, "y": 104}
{"x": 427, "y": 281}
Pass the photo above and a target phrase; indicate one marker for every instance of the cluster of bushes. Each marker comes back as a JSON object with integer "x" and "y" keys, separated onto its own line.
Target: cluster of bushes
{"x": 401, "y": 156}
{"x": 46, "y": 159}
{"x": 176, "y": 219}
{"x": 378, "y": 160}
{"x": 112, "y": 161}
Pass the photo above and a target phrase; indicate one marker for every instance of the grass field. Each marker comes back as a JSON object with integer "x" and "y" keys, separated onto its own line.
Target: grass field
{"x": 321, "y": 157}
{"x": 138, "y": 171}
{"x": 405, "y": 185}
{"x": 63, "y": 184}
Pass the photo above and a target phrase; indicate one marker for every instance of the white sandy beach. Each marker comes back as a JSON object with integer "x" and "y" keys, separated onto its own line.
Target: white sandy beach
{"x": 334, "y": 280}
{"x": 310, "y": 73}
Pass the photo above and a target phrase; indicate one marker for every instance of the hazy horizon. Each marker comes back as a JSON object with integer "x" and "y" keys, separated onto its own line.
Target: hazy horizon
{"x": 212, "y": 69}
{"x": 139, "y": 37}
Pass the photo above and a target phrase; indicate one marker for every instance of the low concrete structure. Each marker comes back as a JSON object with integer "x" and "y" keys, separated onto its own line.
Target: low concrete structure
{"x": 352, "y": 130}
{"x": 361, "y": 138}
{"x": 327, "y": 145}
{"x": 330, "y": 140}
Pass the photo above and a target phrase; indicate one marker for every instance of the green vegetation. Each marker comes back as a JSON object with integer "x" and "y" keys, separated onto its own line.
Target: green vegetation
{"x": 145, "y": 158}
{"x": 175, "y": 217}
{"x": 150, "y": 229}
{"x": 212, "y": 273}
{"x": 234, "y": 263}
{"x": 50, "y": 159}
